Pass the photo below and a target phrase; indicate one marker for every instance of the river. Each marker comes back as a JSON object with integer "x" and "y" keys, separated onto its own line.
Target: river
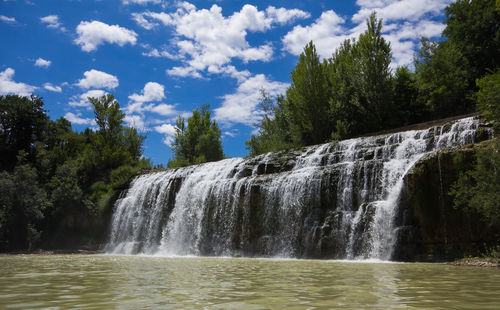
{"x": 147, "y": 282}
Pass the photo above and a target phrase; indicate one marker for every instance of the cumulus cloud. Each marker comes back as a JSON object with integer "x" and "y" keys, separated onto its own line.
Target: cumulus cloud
{"x": 52, "y": 21}
{"x": 146, "y": 102}
{"x": 163, "y": 109}
{"x": 206, "y": 40}
{"x": 405, "y": 21}
{"x": 412, "y": 10}
{"x": 283, "y": 16}
{"x": 95, "y": 33}
{"x": 53, "y": 88}
{"x": 98, "y": 79}
{"x": 77, "y": 119}
{"x": 152, "y": 92}
{"x": 136, "y": 121}
{"x": 168, "y": 131}
{"x": 6, "y": 19}
{"x": 40, "y": 62}
{"x": 8, "y": 86}
{"x": 82, "y": 99}
{"x": 326, "y": 32}
{"x": 240, "y": 106}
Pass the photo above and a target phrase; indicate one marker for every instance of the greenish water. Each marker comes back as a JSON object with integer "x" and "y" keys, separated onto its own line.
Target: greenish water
{"x": 135, "y": 282}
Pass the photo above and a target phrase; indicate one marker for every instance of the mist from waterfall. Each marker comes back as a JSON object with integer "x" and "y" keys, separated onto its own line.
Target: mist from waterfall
{"x": 336, "y": 200}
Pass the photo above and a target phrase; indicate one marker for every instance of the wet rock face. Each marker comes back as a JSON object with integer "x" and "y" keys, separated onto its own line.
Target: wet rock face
{"x": 436, "y": 231}
{"x": 338, "y": 200}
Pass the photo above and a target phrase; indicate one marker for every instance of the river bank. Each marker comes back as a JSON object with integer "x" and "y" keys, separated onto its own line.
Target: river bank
{"x": 477, "y": 262}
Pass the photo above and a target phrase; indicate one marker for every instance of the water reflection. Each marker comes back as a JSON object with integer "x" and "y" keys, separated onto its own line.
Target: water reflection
{"x": 133, "y": 282}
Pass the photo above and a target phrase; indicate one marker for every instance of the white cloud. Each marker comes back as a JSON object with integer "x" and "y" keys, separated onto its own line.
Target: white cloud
{"x": 206, "y": 40}
{"x": 136, "y": 121}
{"x": 82, "y": 99}
{"x": 53, "y": 88}
{"x": 163, "y": 109}
{"x": 95, "y": 33}
{"x": 412, "y": 10}
{"x": 240, "y": 107}
{"x": 231, "y": 134}
{"x": 152, "y": 92}
{"x": 40, "y": 62}
{"x": 405, "y": 21}
{"x": 169, "y": 132}
{"x": 142, "y": 21}
{"x": 52, "y": 21}
{"x": 98, "y": 79}
{"x": 404, "y": 38}
{"x": 6, "y": 19}
{"x": 283, "y": 16}
{"x": 138, "y": 105}
{"x": 141, "y": 1}
{"x": 8, "y": 86}
{"x": 77, "y": 119}
{"x": 184, "y": 72}
{"x": 326, "y": 32}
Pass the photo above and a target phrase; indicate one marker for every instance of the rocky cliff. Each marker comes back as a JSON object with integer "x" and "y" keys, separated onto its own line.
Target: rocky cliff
{"x": 431, "y": 228}
{"x": 369, "y": 197}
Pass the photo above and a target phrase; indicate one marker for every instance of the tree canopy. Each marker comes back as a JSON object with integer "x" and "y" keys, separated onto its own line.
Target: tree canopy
{"x": 198, "y": 142}
{"x": 57, "y": 186}
{"x": 363, "y": 92}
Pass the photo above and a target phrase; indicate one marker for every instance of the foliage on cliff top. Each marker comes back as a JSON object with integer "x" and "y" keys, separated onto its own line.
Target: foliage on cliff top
{"x": 198, "y": 142}
{"x": 365, "y": 95}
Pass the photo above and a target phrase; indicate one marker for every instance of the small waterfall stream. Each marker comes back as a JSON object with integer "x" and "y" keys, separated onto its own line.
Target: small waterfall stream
{"x": 335, "y": 200}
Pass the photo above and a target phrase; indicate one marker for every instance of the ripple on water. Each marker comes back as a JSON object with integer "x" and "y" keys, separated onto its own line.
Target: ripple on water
{"x": 129, "y": 282}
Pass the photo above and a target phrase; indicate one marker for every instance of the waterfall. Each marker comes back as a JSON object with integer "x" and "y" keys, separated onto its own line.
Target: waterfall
{"x": 336, "y": 200}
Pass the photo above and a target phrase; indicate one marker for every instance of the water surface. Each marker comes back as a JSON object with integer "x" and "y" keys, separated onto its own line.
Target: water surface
{"x": 139, "y": 282}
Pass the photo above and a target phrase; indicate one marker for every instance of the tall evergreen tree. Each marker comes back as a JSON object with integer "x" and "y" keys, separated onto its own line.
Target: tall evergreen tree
{"x": 376, "y": 84}
{"x": 361, "y": 80}
{"x": 307, "y": 99}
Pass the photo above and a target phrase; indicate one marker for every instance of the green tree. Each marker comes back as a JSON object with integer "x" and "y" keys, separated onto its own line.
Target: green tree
{"x": 407, "y": 109}
{"x": 274, "y": 129}
{"x": 198, "y": 142}
{"x": 362, "y": 87}
{"x": 22, "y": 205}
{"x": 65, "y": 192}
{"x": 442, "y": 79}
{"x": 488, "y": 98}
{"x": 307, "y": 100}
{"x": 109, "y": 118}
{"x": 133, "y": 142}
{"x": 22, "y": 122}
{"x": 473, "y": 27}
{"x": 345, "y": 77}
{"x": 376, "y": 83}
{"x": 478, "y": 190}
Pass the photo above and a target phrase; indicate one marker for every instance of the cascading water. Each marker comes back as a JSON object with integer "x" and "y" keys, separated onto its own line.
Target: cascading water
{"x": 334, "y": 200}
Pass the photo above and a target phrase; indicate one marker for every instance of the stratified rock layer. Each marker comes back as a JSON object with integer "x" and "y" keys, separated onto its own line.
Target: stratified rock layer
{"x": 338, "y": 200}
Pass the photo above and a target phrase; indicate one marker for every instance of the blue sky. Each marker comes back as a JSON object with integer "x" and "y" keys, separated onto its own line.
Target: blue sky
{"x": 165, "y": 58}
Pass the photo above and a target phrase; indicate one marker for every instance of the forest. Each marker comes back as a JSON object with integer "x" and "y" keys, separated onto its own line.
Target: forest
{"x": 58, "y": 186}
